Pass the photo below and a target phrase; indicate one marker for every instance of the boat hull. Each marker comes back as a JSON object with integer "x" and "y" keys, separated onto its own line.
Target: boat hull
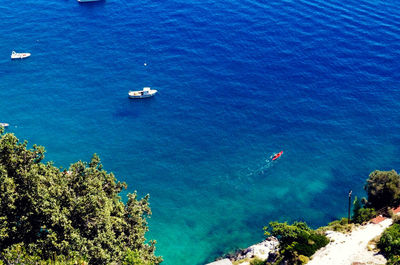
{"x": 140, "y": 94}
{"x": 19, "y": 55}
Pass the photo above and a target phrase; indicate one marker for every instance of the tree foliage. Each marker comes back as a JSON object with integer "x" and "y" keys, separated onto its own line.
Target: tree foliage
{"x": 17, "y": 254}
{"x": 389, "y": 243}
{"x": 296, "y": 239}
{"x": 364, "y": 215}
{"x": 383, "y": 189}
{"x": 51, "y": 212}
{"x": 361, "y": 214}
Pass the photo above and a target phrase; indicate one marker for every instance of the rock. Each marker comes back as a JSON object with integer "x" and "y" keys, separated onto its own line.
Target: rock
{"x": 266, "y": 250}
{"x": 261, "y": 250}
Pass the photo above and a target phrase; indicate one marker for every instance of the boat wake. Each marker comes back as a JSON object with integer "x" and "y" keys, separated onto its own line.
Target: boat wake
{"x": 252, "y": 176}
{"x": 264, "y": 167}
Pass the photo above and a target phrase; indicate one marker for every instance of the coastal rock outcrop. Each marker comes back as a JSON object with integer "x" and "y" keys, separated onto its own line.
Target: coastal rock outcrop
{"x": 263, "y": 250}
{"x": 266, "y": 250}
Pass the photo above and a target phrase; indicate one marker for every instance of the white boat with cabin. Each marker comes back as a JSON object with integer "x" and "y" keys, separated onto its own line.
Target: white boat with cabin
{"x": 145, "y": 93}
{"x": 3, "y": 124}
{"x": 19, "y": 55}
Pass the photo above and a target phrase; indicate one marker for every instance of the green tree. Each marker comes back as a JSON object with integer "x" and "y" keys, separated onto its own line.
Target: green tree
{"x": 52, "y": 212}
{"x": 383, "y": 189}
{"x": 361, "y": 214}
{"x": 296, "y": 239}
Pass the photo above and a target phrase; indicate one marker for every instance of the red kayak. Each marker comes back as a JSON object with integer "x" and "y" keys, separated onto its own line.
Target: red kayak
{"x": 276, "y": 156}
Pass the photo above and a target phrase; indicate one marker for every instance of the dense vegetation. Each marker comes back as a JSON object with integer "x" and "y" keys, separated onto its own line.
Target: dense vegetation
{"x": 67, "y": 216}
{"x": 296, "y": 241}
{"x": 383, "y": 189}
{"x": 362, "y": 214}
{"x": 389, "y": 243}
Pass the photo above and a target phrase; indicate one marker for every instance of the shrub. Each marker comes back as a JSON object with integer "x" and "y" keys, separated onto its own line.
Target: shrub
{"x": 389, "y": 242}
{"x": 296, "y": 239}
{"x": 309, "y": 243}
{"x": 364, "y": 215}
{"x": 383, "y": 189}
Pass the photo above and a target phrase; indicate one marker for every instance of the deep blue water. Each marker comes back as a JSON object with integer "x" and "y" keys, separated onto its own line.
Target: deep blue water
{"x": 237, "y": 80}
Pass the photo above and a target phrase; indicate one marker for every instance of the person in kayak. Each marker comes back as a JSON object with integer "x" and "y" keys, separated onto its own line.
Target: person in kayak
{"x": 276, "y": 156}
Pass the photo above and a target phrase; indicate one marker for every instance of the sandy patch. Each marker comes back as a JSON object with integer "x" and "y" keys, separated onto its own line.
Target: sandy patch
{"x": 348, "y": 248}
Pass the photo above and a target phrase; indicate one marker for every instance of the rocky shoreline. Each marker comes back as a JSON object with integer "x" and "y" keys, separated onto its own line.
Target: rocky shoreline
{"x": 265, "y": 250}
{"x": 355, "y": 247}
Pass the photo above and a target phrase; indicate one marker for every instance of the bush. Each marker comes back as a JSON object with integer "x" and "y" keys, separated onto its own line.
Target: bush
{"x": 389, "y": 242}
{"x": 296, "y": 239}
{"x": 309, "y": 243}
{"x": 364, "y": 215}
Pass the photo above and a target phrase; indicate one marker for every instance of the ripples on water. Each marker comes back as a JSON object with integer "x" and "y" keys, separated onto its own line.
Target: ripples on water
{"x": 236, "y": 81}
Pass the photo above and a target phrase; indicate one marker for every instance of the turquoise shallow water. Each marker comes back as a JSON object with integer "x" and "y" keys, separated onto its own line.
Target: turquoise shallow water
{"x": 237, "y": 81}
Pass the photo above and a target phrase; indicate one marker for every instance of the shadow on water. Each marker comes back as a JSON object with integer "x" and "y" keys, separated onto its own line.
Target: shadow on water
{"x": 332, "y": 201}
{"x": 134, "y": 107}
{"x": 92, "y": 4}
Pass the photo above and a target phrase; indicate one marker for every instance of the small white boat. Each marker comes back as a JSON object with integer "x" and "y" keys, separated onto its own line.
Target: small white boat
{"x": 3, "y": 124}
{"x": 17, "y": 55}
{"x": 145, "y": 93}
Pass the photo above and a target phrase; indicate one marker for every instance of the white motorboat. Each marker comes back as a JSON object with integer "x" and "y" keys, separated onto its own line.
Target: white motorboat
{"x": 145, "y": 93}
{"x": 18, "y": 55}
{"x": 3, "y": 124}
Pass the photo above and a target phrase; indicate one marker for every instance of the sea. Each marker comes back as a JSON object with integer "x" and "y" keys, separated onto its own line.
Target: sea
{"x": 237, "y": 81}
